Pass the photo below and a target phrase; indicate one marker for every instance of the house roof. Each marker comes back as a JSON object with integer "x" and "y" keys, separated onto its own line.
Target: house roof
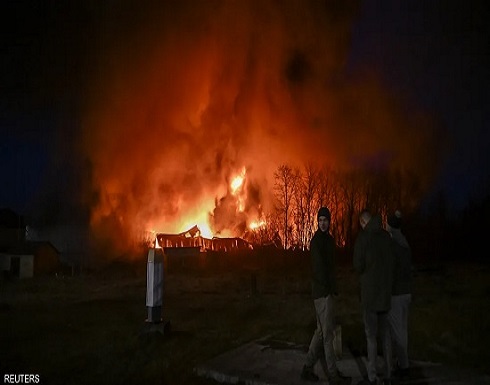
{"x": 30, "y": 247}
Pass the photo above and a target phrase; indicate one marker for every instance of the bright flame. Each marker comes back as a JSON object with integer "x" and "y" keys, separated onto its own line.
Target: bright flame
{"x": 152, "y": 234}
{"x": 200, "y": 214}
{"x": 237, "y": 182}
{"x": 157, "y": 244}
{"x": 200, "y": 218}
{"x": 254, "y": 225}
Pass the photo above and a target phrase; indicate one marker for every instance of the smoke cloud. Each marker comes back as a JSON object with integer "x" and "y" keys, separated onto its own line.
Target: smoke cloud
{"x": 182, "y": 95}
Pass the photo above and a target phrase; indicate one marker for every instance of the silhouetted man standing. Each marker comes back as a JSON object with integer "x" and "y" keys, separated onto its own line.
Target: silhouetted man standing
{"x": 401, "y": 294}
{"x": 324, "y": 289}
{"x": 374, "y": 261}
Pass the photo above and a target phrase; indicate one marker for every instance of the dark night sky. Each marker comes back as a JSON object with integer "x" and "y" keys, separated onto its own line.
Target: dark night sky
{"x": 437, "y": 54}
{"x": 433, "y": 54}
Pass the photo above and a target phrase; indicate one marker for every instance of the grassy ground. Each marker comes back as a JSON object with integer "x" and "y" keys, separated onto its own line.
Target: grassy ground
{"x": 90, "y": 329}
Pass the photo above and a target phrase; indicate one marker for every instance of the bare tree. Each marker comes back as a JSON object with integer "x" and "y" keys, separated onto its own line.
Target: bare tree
{"x": 303, "y": 200}
{"x": 352, "y": 198}
{"x": 285, "y": 184}
{"x": 310, "y": 183}
{"x": 299, "y": 195}
{"x": 299, "y": 214}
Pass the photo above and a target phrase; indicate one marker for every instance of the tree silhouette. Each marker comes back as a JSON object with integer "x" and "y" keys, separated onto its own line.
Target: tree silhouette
{"x": 300, "y": 193}
{"x": 285, "y": 185}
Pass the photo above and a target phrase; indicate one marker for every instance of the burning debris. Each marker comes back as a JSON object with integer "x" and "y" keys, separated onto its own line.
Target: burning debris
{"x": 193, "y": 238}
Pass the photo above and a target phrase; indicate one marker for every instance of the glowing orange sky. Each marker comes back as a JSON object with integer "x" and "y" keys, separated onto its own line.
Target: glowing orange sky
{"x": 186, "y": 95}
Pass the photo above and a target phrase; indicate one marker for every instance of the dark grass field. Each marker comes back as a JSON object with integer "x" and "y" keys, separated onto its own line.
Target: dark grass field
{"x": 90, "y": 329}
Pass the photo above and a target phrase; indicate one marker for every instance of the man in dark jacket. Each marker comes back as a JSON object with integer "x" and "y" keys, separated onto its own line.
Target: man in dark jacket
{"x": 373, "y": 260}
{"x": 401, "y": 294}
{"x": 324, "y": 289}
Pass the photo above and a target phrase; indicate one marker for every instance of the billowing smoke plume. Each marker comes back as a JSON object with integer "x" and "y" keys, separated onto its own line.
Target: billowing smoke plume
{"x": 185, "y": 95}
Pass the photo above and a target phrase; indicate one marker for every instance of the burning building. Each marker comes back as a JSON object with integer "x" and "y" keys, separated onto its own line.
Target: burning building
{"x": 193, "y": 238}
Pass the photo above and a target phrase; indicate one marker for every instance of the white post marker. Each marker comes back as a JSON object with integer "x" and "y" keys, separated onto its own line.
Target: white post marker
{"x": 154, "y": 285}
{"x": 154, "y": 292}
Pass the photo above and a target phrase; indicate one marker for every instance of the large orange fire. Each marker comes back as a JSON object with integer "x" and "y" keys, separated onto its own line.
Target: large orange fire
{"x": 202, "y": 218}
{"x": 194, "y": 105}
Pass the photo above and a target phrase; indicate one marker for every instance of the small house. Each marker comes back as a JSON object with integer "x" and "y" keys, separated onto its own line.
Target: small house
{"x": 30, "y": 258}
